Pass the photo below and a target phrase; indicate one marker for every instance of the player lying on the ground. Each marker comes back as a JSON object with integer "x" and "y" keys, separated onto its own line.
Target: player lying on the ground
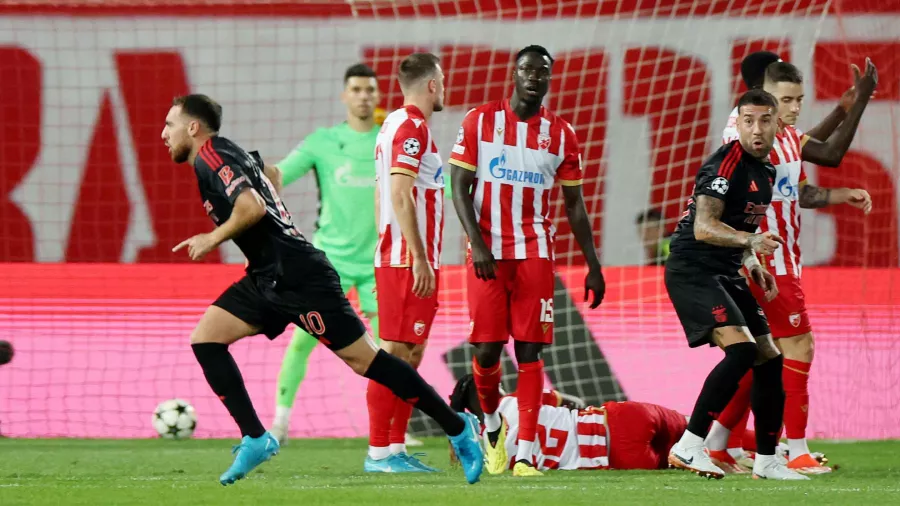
{"x": 508, "y": 156}
{"x": 786, "y": 313}
{"x": 732, "y": 191}
{"x": 287, "y": 281}
{"x": 617, "y": 435}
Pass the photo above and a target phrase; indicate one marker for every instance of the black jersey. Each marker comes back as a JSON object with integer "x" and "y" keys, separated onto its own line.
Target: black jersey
{"x": 273, "y": 244}
{"x": 744, "y": 183}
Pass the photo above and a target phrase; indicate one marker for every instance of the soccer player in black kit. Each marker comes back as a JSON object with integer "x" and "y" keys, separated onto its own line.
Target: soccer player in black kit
{"x": 287, "y": 281}
{"x": 715, "y": 236}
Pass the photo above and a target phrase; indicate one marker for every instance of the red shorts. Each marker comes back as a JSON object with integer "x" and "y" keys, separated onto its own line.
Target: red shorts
{"x": 403, "y": 317}
{"x": 787, "y": 313}
{"x": 518, "y": 303}
{"x": 641, "y": 434}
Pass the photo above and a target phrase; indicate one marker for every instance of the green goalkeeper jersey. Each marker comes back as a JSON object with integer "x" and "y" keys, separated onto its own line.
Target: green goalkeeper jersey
{"x": 344, "y": 163}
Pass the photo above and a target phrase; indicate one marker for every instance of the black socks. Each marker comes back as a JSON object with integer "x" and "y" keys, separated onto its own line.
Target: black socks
{"x": 720, "y": 386}
{"x": 224, "y": 377}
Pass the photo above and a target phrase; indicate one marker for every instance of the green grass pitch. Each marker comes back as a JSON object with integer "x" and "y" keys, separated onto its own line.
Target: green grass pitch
{"x": 328, "y": 472}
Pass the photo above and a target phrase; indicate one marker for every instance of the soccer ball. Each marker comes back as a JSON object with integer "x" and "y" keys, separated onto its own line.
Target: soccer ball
{"x": 174, "y": 419}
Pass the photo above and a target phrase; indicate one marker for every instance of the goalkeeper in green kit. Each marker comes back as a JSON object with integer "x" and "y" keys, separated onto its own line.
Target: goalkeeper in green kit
{"x": 343, "y": 159}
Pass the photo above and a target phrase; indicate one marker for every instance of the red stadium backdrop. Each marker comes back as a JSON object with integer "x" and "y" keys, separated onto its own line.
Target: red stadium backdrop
{"x": 647, "y": 85}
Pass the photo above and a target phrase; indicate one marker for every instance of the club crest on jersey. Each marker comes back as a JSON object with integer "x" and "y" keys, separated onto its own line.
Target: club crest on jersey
{"x": 419, "y": 327}
{"x": 544, "y": 142}
{"x": 411, "y": 146}
{"x": 720, "y": 185}
{"x": 794, "y": 318}
{"x": 225, "y": 174}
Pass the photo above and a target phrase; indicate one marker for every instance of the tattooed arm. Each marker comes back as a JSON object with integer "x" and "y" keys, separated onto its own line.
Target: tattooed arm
{"x": 708, "y": 226}
{"x": 813, "y": 197}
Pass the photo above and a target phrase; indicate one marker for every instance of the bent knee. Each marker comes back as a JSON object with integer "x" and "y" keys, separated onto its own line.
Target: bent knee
{"x": 766, "y": 349}
{"x": 801, "y": 348}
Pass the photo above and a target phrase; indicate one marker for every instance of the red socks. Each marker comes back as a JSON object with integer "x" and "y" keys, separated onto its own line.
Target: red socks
{"x": 739, "y": 406}
{"x": 529, "y": 392}
{"x": 738, "y": 437}
{"x": 402, "y": 413}
{"x": 795, "y": 377}
{"x": 487, "y": 384}
{"x": 381, "y": 402}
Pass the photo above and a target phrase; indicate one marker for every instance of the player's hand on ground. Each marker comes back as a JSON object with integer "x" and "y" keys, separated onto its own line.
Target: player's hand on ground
{"x": 198, "y": 246}
{"x": 866, "y": 85}
{"x": 765, "y": 243}
{"x": 594, "y": 282}
{"x": 766, "y": 281}
{"x": 483, "y": 262}
{"x": 860, "y": 199}
{"x": 423, "y": 278}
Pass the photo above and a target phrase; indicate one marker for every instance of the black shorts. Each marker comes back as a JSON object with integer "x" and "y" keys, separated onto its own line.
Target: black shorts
{"x": 316, "y": 304}
{"x": 705, "y": 301}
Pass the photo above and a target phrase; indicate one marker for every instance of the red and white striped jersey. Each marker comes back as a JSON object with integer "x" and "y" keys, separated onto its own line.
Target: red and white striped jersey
{"x": 783, "y": 216}
{"x": 569, "y": 438}
{"x": 405, "y": 146}
{"x": 516, "y": 163}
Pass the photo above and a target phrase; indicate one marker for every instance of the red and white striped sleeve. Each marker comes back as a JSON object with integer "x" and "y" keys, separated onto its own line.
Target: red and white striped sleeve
{"x": 570, "y": 172}
{"x": 410, "y": 143}
{"x": 465, "y": 151}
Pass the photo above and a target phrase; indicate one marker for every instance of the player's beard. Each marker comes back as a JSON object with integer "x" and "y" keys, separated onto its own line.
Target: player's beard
{"x": 180, "y": 154}
{"x": 438, "y": 106}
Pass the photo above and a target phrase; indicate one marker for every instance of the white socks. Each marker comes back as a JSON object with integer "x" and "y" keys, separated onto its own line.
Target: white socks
{"x": 690, "y": 440}
{"x": 717, "y": 439}
{"x": 379, "y": 452}
{"x": 797, "y": 448}
{"x": 398, "y": 448}
{"x": 282, "y": 416}
{"x": 491, "y": 422}
{"x": 525, "y": 451}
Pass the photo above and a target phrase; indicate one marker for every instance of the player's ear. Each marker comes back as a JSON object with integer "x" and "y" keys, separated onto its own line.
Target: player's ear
{"x": 193, "y": 127}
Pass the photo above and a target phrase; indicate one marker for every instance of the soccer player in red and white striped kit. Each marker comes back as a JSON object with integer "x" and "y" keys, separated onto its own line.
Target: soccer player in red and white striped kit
{"x": 507, "y": 156}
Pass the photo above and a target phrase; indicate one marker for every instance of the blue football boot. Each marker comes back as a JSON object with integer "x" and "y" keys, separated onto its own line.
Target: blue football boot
{"x": 250, "y": 453}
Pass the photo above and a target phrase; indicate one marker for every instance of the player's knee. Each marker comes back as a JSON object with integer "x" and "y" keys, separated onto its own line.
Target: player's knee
{"x": 801, "y": 348}
{"x": 766, "y": 349}
{"x": 527, "y": 353}
{"x": 741, "y": 355}
{"x": 488, "y": 354}
{"x": 416, "y": 355}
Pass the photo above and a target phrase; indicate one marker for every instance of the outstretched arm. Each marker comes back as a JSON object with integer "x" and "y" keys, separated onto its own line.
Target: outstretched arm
{"x": 830, "y": 152}
{"x": 813, "y": 197}
{"x": 827, "y": 126}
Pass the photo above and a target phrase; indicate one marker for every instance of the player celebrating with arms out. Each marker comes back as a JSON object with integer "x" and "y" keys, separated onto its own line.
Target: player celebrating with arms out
{"x": 733, "y": 188}
{"x": 787, "y": 314}
{"x": 287, "y": 281}
{"x": 507, "y": 156}
{"x": 409, "y": 197}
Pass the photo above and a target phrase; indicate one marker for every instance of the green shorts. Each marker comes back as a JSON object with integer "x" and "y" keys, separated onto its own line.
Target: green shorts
{"x": 362, "y": 277}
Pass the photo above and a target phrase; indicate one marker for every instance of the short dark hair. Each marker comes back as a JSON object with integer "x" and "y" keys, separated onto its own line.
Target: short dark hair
{"x": 648, "y": 215}
{"x": 753, "y": 67}
{"x": 415, "y": 67}
{"x": 203, "y": 108}
{"x": 757, "y": 96}
{"x": 534, "y": 48}
{"x": 783, "y": 72}
{"x": 358, "y": 70}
